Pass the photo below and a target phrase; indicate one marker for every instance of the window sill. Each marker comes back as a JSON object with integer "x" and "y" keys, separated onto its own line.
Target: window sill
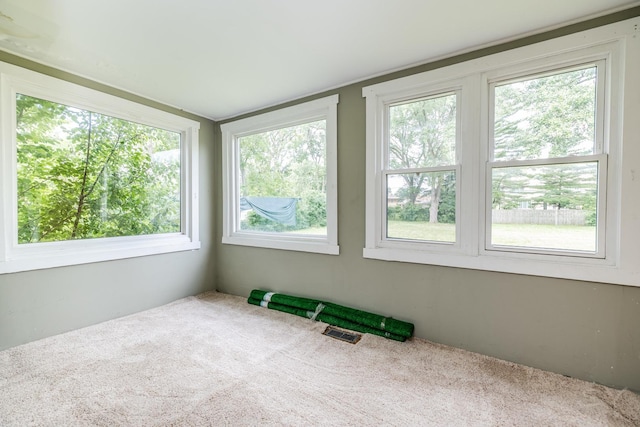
{"x": 585, "y": 269}
{"x": 61, "y": 254}
{"x": 319, "y": 246}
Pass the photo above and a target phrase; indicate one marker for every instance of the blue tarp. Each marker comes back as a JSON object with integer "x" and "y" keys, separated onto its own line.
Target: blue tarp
{"x": 279, "y": 209}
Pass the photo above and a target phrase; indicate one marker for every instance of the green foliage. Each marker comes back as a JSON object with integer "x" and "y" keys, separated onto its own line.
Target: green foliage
{"x": 561, "y": 186}
{"x": 445, "y": 199}
{"x": 447, "y": 205}
{"x": 422, "y": 134}
{"x": 288, "y": 162}
{"x": 408, "y": 212}
{"x": 85, "y": 175}
{"x": 591, "y": 219}
{"x": 311, "y": 212}
{"x": 540, "y": 118}
{"x": 545, "y": 117}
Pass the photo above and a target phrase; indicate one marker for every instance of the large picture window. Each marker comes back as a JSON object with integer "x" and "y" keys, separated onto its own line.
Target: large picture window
{"x": 91, "y": 177}
{"x": 511, "y": 162}
{"x": 84, "y": 175}
{"x": 279, "y": 178}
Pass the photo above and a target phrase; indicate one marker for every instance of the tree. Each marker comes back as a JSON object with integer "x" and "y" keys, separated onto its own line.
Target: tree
{"x": 86, "y": 175}
{"x": 542, "y": 118}
{"x": 286, "y": 162}
{"x": 423, "y": 134}
{"x": 447, "y": 206}
{"x": 567, "y": 186}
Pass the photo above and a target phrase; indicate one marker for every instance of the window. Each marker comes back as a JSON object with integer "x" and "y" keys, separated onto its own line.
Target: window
{"x": 511, "y": 162}
{"x": 422, "y": 167}
{"x": 90, "y": 177}
{"x": 279, "y": 179}
{"x": 547, "y": 153}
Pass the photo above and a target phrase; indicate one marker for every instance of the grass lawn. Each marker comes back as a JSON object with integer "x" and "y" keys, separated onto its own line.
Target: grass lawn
{"x": 421, "y": 230}
{"x": 582, "y": 238}
{"x": 312, "y": 230}
{"x": 572, "y": 237}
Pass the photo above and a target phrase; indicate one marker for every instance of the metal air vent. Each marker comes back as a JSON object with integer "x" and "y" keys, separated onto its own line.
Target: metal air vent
{"x": 348, "y": 336}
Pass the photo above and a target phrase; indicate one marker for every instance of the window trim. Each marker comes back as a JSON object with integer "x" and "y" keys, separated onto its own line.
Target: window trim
{"x": 379, "y": 98}
{"x": 613, "y": 43}
{"x": 25, "y": 257}
{"x": 319, "y": 109}
{"x": 599, "y": 156}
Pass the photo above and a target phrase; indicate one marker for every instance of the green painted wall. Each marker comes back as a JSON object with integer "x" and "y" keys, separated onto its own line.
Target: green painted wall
{"x": 584, "y": 330}
{"x": 41, "y": 303}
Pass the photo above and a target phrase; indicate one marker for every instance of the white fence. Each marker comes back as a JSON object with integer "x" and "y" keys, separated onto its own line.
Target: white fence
{"x": 538, "y": 216}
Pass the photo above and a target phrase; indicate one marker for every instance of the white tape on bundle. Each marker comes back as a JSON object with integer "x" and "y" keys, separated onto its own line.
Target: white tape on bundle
{"x": 264, "y": 304}
{"x": 267, "y": 296}
{"x": 319, "y": 309}
{"x": 383, "y": 323}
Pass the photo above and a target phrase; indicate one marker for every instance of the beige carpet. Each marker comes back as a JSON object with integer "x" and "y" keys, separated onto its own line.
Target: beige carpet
{"x": 215, "y": 360}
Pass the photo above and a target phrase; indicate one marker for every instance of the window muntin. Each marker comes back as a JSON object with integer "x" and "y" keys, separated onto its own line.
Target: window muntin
{"x": 420, "y": 174}
{"x": 544, "y": 178}
{"x": 85, "y": 175}
{"x": 283, "y": 180}
{"x": 23, "y": 248}
{"x": 280, "y": 178}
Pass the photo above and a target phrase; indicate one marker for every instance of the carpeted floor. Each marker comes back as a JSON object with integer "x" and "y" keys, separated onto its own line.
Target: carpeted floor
{"x": 216, "y": 360}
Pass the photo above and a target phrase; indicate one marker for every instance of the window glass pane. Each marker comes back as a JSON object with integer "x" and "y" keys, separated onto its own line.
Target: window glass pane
{"x": 545, "y": 117}
{"x": 283, "y": 180}
{"x": 422, "y": 206}
{"x": 423, "y": 133}
{"x": 547, "y": 207}
{"x": 85, "y": 175}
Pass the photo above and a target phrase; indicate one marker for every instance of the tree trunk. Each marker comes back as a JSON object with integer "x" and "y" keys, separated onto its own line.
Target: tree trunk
{"x": 435, "y": 202}
{"x": 81, "y": 197}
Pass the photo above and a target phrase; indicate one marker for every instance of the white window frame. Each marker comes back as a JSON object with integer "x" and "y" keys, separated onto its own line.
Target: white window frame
{"x": 615, "y": 261}
{"x": 319, "y": 109}
{"x": 380, "y": 155}
{"x": 600, "y": 157}
{"x": 433, "y": 92}
{"x": 16, "y": 257}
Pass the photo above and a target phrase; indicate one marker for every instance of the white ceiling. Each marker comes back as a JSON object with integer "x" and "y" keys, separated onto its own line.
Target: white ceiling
{"x": 221, "y": 58}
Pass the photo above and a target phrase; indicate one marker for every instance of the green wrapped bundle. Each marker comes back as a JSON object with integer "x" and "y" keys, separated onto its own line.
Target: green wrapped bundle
{"x": 376, "y": 322}
{"x": 279, "y": 307}
{"x": 326, "y": 318}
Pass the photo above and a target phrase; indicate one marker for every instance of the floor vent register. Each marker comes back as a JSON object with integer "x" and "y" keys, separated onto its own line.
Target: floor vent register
{"x": 341, "y": 335}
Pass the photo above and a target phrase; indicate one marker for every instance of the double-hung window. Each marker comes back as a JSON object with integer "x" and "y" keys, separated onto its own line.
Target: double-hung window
{"x": 547, "y": 171}
{"x": 90, "y": 177}
{"x": 279, "y": 179}
{"x": 416, "y": 161}
{"x": 422, "y": 169}
{"x": 511, "y": 162}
